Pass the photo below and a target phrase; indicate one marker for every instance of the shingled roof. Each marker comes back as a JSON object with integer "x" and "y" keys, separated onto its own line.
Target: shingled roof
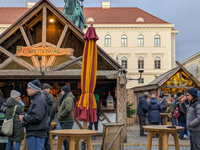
{"x": 114, "y": 15}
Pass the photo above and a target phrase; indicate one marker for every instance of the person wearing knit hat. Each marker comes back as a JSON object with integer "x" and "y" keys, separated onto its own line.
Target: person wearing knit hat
{"x": 193, "y": 116}
{"x": 15, "y": 94}
{"x": 37, "y": 117}
{"x": 66, "y": 111}
{"x": 18, "y": 131}
{"x": 46, "y": 87}
{"x": 141, "y": 111}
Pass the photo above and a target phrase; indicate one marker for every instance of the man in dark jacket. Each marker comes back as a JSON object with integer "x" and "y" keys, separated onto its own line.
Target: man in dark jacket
{"x": 141, "y": 111}
{"x": 98, "y": 114}
{"x": 164, "y": 105}
{"x": 193, "y": 117}
{"x": 66, "y": 110}
{"x": 51, "y": 114}
{"x": 37, "y": 117}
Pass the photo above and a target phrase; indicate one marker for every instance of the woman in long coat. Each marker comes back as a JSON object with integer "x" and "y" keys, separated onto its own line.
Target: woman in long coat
{"x": 18, "y": 130}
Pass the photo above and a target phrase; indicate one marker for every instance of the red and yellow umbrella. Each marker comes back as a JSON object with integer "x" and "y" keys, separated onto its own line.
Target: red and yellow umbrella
{"x": 86, "y": 107}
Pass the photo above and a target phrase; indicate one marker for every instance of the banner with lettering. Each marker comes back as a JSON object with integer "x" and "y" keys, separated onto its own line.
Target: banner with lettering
{"x": 42, "y": 51}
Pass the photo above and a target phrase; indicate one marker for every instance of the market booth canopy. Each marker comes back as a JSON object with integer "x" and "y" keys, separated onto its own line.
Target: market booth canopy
{"x": 86, "y": 108}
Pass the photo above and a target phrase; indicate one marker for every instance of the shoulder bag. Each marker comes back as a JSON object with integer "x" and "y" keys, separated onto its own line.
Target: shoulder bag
{"x": 7, "y": 127}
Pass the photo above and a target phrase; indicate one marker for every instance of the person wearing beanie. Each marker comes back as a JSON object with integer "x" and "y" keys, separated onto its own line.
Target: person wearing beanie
{"x": 36, "y": 120}
{"x": 164, "y": 105}
{"x": 66, "y": 110}
{"x": 192, "y": 110}
{"x": 141, "y": 111}
{"x": 172, "y": 97}
{"x": 18, "y": 130}
{"x": 98, "y": 114}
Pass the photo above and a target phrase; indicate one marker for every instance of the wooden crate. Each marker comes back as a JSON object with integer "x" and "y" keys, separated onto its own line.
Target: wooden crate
{"x": 112, "y": 136}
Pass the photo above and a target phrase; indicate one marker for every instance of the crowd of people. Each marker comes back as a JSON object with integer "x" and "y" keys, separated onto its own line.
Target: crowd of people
{"x": 184, "y": 109}
{"x": 37, "y": 122}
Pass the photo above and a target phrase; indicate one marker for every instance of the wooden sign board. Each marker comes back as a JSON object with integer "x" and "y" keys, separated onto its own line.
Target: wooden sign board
{"x": 42, "y": 51}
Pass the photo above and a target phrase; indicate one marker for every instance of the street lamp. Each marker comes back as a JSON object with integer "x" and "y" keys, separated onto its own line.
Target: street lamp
{"x": 140, "y": 71}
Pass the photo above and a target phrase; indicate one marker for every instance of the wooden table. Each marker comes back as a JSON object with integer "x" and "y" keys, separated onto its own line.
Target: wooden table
{"x": 73, "y": 137}
{"x": 53, "y": 125}
{"x": 163, "y": 132}
{"x": 164, "y": 116}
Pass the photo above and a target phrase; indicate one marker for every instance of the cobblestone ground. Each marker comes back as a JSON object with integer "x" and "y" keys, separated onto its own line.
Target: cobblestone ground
{"x": 137, "y": 147}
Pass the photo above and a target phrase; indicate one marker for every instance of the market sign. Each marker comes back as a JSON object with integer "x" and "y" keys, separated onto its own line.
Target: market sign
{"x": 42, "y": 51}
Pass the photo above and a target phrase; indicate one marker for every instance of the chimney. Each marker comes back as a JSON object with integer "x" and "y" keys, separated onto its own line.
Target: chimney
{"x": 30, "y": 4}
{"x": 105, "y": 5}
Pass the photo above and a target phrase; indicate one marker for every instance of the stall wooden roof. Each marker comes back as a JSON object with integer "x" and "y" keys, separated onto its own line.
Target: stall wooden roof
{"x": 20, "y": 32}
{"x": 163, "y": 78}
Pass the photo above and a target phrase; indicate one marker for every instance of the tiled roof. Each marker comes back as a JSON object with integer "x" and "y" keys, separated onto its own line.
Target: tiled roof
{"x": 115, "y": 15}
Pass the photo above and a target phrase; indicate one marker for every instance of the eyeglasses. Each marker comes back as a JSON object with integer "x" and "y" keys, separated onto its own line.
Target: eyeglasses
{"x": 187, "y": 95}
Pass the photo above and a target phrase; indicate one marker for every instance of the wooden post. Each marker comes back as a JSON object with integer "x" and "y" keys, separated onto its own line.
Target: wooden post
{"x": 121, "y": 102}
{"x": 44, "y": 26}
{"x": 85, "y": 124}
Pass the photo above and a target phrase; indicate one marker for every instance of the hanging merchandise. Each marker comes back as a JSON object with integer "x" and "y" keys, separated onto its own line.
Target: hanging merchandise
{"x": 110, "y": 101}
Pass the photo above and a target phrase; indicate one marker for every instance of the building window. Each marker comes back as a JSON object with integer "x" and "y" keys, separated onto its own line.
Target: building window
{"x": 140, "y": 19}
{"x": 124, "y": 62}
{"x": 141, "y": 81}
{"x": 124, "y": 40}
{"x": 140, "y": 63}
{"x": 140, "y": 40}
{"x": 107, "y": 41}
{"x": 157, "y": 41}
{"x": 157, "y": 63}
{"x": 90, "y": 19}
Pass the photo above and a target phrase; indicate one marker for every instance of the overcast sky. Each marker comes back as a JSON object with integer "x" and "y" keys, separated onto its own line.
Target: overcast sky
{"x": 185, "y": 14}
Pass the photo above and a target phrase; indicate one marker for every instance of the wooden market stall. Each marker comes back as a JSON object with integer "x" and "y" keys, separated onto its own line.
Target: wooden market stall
{"x": 175, "y": 80}
{"x": 44, "y": 44}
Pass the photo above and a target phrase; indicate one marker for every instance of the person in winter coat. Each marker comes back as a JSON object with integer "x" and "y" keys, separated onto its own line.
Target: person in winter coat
{"x": 36, "y": 120}
{"x": 154, "y": 109}
{"x": 171, "y": 109}
{"x": 51, "y": 114}
{"x": 141, "y": 111}
{"x": 66, "y": 110}
{"x": 18, "y": 130}
{"x": 164, "y": 105}
{"x": 193, "y": 117}
{"x": 98, "y": 114}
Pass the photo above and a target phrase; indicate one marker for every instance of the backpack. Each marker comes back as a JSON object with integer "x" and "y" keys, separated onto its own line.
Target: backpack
{"x": 176, "y": 113}
{"x": 171, "y": 106}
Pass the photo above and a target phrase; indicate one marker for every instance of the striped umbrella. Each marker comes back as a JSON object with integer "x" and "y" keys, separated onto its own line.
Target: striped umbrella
{"x": 86, "y": 107}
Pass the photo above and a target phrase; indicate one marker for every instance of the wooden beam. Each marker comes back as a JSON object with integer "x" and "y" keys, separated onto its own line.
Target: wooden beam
{"x": 180, "y": 78}
{"x": 145, "y": 88}
{"x": 35, "y": 21}
{"x": 67, "y": 39}
{"x": 79, "y": 62}
{"x": 25, "y": 36}
{"x": 19, "y": 61}
{"x": 66, "y": 64}
{"x": 21, "y": 21}
{"x": 13, "y": 41}
{"x": 63, "y": 73}
{"x": 30, "y": 37}
{"x": 36, "y": 62}
{"x": 37, "y": 44}
{"x": 177, "y": 87}
{"x": 62, "y": 36}
{"x": 187, "y": 82}
{"x": 173, "y": 82}
{"x": 5, "y": 63}
{"x": 50, "y": 63}
{"x": 44, "y": 26}
{"x": 43, "y": 63}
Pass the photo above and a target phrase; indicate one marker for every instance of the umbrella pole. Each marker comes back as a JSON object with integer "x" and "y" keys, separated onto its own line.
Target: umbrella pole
{"x": 85, "y": 124}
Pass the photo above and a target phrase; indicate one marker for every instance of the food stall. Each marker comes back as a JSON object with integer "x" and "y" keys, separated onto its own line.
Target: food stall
{"x": 175, "y": 80}
{"x": 44, "y": 44}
